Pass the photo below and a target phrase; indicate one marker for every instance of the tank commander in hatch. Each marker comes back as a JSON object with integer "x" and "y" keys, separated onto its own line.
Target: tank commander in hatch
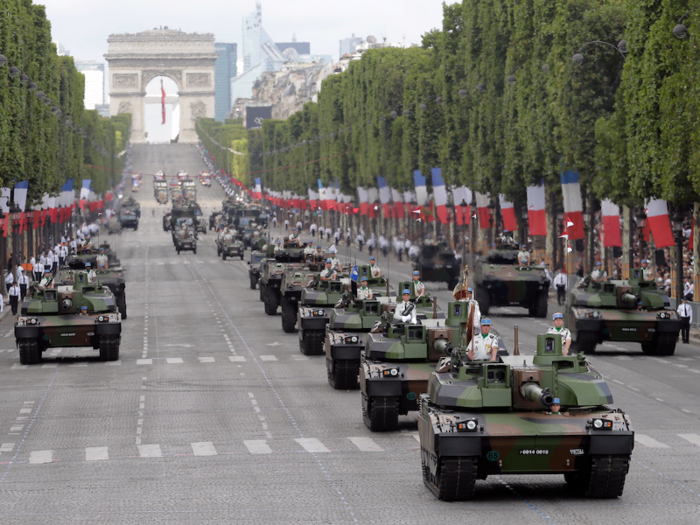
{"x": 555, "y": 407}
{"x": 558, "y": 328}
{"x": 524, "y": 256}
{"x": 328, "y": 273}
{"x": 363, "y": 292}
{"x": 406, "y": 311}
{"x": 483, "y": 346}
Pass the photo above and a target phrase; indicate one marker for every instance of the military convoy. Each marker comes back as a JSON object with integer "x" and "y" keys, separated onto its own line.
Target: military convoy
{"x": 632, "y": 310}
{"x": 486, "y": 418}
{"x": 437, "y": 263}
{"x": 229, "y": 245}
{"x": 160, "y": 191}
{"x": 500, "y": 281}
{"x": 82, "y": 313}
{"x": 129, "y": 213}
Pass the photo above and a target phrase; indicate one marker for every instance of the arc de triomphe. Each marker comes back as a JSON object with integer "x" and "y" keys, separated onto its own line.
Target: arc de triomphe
{"x": 136, "y": 59}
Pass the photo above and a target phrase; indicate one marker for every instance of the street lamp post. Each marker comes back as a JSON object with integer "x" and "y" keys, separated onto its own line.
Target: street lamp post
{"x": 677, "y": 224}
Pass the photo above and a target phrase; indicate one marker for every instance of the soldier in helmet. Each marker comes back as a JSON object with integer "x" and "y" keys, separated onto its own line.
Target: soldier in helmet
{"x": 483, "y": 346}
{"x": 558, "y": 328}
{"x": 373, "y": 268}
{"x": 328, "y": 273}
{"x": 406, "y": 311}
{"x": 418, "y": 287}
{"x": 524, "y": 256}
{"x": 334, "y": 260}
{"x": 599, "y": 275}
{"x": 555, "y": 407}
{"x": 647, "y": 272}
{"x": 364, "y": 292}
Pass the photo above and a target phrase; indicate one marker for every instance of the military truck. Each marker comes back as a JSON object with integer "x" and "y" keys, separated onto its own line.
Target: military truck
{"x": 609, "y": 311}
{"x": 166, "y": 221}
{"x": 256, "y": 257}
{"x": 500, "y": 281}
{"x": 129, "y": 213}
{"x": 437, "y": 263}
{"x": 227, "y": 245}
{"x": 112, "y": 277}
{"x": 52, "y": 318}
{"x": 184, "y": 239}
{"x": 345, "y": 342}
{"x": 189, "y": 190}
{"x": 160, "y": 191}
{"x": 272, "y": 272}
{"x": 484, "y": 418}
{"x": 397, "y": 364}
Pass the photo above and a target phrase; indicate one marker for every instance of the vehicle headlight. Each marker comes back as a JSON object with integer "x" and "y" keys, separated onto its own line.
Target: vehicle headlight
{"x": 601, "y": 424}
{"x": 469, "y": 425}
{"x": 319, "y": 313}
{"x": 663, "y": 315}
{"x": 390, "y": 372}
{"x": 27, "y": 321}
{"x": 351, "y": 339}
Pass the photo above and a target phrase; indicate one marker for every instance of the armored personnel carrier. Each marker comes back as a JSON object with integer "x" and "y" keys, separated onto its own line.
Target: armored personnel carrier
{"x": 486, "y": 418}
{"x": 129, "y": 213}
{"x": 348, "y": 323}
{"x": 256, "y": 257}
{"x": 227, "y": 245}
{"x": 55, "y": 318}
{"x": 293, "y": 282}
{"x": 272, "y": 272}
{"x": 184, "y": 239}
{"x": 610, "y": 311}
{"x": 398, "y": 362}
{"x": 112, "y": 277}
{"x": 437, "y": 263}
{"x": 500, "y": 281}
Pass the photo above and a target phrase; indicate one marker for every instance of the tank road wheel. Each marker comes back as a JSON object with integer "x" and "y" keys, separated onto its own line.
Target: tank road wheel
{"x": 665, "y": 344}
{"x": 253, "y": 282}
{"x": 270, "y": 304}
{"x": 342, "y": 375}
{"x": 381, "y": 414}
{"x": 109, "y": 347}
{"x": 311, "y": 342}
{"x": 29, "y": 353}
{"x": 262, "y": 292}
{"x": 586, "y": 342}
{"x": 455, "y": 479}
{"x": 121, "y": 304}
{"x": 289, "y": 315}
{"x": 607, "y": 476}
{"x": 482, "y": 296}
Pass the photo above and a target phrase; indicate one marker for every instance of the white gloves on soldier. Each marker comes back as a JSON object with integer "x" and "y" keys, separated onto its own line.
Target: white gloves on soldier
{"x": 406, "y": 318}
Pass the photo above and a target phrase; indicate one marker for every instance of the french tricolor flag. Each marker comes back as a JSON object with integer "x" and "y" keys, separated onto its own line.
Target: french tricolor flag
{"x": 257, "y": 192}
{"x": 573, "y": 204}
{"x": 537, "y": 219}
{"x": 21, "y": 194}
{"x": 508, "y": 214}
{"x": 322, "y": 195}
{"x": 398, "y": 203}
{"x": 482, "y": 208}
{"x": 612, "y": 235}
{"x": 372, "y": 197}
{"x": 384, "y": 196}
{"x": 421, "y": 190}
{"x": 440, "y": 195}
{"x": 461, "y": 195}
{"x": 659, "y": 223}
{"x": 363, "y": 197}
{"x": 85, "y": 190}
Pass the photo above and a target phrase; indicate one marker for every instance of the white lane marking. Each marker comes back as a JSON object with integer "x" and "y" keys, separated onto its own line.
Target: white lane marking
{"x": 25, "y": 410}
{"x": 632, "y": 388}
{"x": 648, "y": 441}
{"x": 206, "y": 359}
{"x": 686, "y": 411}
{"x": 9, "y": 333}
{"x": 659, "y": 399}
{"x": 679, "y": 365}
{"x": 144, "y": 361}
{"x": 694, "y": 371}
{"x": 174, "y": 360}
{"x": 236, "y": 358}
{"x": 268, "y": 358}
{"x": 96, "y": 453}
{"x": 17, "y": 428}
{"x": 416, "y": 436}
{"x": 312, "y": 445}
{"x": 7, "y": 447}
{"x": 113, "y": 363}
{"x": 300, "y": 358}
{"x": 40, "y": 456}
{"x": 204, "y": 448}
{"x": 693, "y": 438}
{"x": 365, "y": 444}
{"x": 258, "y": 446}
{"x": 149, "y": 451}
{"x": 618, "y": 382}
{"x": 684, "y": 358}
{"x": 17, "y": 366}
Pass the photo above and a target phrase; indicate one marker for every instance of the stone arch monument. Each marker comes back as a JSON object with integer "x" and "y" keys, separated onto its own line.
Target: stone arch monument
{"x": 136, "y": 59}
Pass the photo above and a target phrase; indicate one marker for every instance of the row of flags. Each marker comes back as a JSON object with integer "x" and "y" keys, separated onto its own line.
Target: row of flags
{"x": 418, "y": 204}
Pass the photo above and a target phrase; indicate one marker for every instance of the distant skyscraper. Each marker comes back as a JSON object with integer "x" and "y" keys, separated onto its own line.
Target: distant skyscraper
{"x": 348, "y": 45}
{"x": 303, "y": 48}
{"x": 225, "y": 70}
{"x": 94, "y": 73}
{"x": 61, "y": 51}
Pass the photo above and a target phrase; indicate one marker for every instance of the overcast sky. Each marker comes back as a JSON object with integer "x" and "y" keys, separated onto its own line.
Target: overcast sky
{"x": 82, "y": 26}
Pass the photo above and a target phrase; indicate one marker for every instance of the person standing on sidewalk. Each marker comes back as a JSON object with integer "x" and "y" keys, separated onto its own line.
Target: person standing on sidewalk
{"x": 23, "y": 282}
{"x": 9, "y": 279}
{"x": 686, "y": 313}
{"x": 560, "y": 283}
{"x": 14, "y": 294}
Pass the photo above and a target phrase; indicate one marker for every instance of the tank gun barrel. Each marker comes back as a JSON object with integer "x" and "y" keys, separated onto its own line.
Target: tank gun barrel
{"x": 628, "y": 299}
{"x": 534, "y": 392}
{"x": 444, "y": 346}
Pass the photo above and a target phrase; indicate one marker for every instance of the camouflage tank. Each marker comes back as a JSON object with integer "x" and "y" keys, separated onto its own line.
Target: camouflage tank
{"x": 112, "y": 277}
{"x": 598, "y": 311}
{"x": 486, "y": 418}
{"x": 437, "y": 263}
{"x": 129, "y": 213}
{"x": 345, "y": 342}
{"x": 291, "y": 287}
{"x": 500, "y": 281}
{"x": 271, "y": 276}
{"x": 398, "y": 362}
{"x": 227, "y": 245}
{"x": 52, "y": 318}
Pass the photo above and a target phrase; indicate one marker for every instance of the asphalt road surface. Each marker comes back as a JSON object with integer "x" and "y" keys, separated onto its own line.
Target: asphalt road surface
{"x": 213, "y": 415}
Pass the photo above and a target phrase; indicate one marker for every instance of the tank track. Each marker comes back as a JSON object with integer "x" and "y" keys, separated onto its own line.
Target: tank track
{"x": 109, "y": 347}
{"x": 381, "y": 414}
{"x": 663, "y": 345}
{"x": 454, "y": 479}
{"x": 29, "y": 353}
{"x": 607, "y": 476}
{"x": 289, "y": 315}
{"x": 342, "y": 375}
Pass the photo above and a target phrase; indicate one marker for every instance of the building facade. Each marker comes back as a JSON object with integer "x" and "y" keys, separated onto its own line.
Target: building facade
{"x": 225, "y": 71}
{"x": 349, "y": 45}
